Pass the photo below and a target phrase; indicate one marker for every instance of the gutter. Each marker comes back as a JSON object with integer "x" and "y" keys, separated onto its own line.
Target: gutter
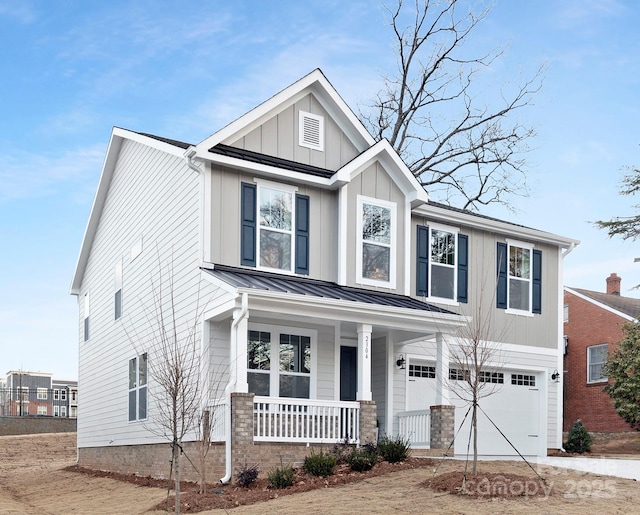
{"x": 232, "y": 381}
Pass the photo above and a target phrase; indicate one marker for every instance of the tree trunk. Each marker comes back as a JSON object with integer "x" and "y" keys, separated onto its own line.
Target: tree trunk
{"x": 474, "y": 423}
{"x": 176, "y": 450}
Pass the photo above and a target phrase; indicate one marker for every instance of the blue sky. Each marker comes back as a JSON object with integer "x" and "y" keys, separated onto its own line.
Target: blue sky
{"x": 71, "y": 71}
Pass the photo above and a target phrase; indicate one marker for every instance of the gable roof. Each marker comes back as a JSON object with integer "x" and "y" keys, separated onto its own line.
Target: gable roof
{"x": 625, "y": 307}
{"x": 316, "y": 83}
{"x": 118, "y": 135}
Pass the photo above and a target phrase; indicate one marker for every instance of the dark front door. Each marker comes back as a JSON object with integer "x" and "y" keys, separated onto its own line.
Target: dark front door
{"x": 348, "y": 373}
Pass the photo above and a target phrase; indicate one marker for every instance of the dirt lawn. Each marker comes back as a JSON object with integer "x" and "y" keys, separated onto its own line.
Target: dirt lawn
{"x": 32, "y": 480}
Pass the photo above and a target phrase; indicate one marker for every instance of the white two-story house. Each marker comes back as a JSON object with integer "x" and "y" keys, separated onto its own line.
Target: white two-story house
{"x": 329, "y": 294}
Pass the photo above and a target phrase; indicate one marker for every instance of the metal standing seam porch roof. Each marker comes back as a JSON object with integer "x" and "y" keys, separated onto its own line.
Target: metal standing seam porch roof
{"x": 260, "y": 280}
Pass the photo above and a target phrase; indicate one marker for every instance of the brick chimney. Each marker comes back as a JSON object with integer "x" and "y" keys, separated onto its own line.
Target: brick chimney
{"x": 613, "y": 284}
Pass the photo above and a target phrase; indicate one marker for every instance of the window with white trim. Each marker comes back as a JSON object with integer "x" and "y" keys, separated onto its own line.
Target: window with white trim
{"x": 491, "y": 377}
{"x": 523, "y": 380}
{"x": 289, "y": 348}
{"x": 596, "y": 358}
{"x": 138, "y": 388}
{"x": 519, "y": 277}
{"x": 376, "y": 250}
{"x": 86, "y": 317}
{"x": 56, "y": 394}
{"x": 42, "y": 410}
{"x": 63, "y": 395}
{"x": 276, "y": 222}
{"x": 42, "y": 394}
{"x": 118, "y": 290}
{"x": 56, "y": 411}
{"x": 443, "y": 262}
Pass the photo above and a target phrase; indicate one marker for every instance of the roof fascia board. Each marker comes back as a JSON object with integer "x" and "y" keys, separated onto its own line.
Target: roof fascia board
{"x": 599, "y": 304}
{"x": 151, "y": 142}
{"x": 314, "y": 82}
{"x": 477, "y": 222}
{"x": 270, "y": 171}
{"x": 108, "y": 166}
{"x": 386, "y": 154}
{"x": 349, "y": 311}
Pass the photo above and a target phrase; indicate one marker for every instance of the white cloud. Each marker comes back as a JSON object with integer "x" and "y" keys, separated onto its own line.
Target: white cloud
{"x": 19, "y": 11}
{"x": 26, "y": 175}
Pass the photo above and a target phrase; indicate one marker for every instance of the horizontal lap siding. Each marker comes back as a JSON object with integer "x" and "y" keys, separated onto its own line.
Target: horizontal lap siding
{"x": 154, "y": 196}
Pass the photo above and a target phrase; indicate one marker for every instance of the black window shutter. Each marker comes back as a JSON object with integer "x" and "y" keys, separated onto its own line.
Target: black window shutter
{"x": 302, "y": 234}
{"x": 501, "y": 289}
{"x": 536, "y": 305}
{"x": 422, "y": 261}
{"x": 248, "y": 227}
{"x": 463, "y": 268}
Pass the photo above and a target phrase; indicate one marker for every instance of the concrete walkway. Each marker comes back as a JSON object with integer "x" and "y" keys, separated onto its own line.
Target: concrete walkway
{"x": 625, "y": 468}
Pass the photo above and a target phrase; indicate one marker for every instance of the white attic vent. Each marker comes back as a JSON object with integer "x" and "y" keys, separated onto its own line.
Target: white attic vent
{"x": 311, "y": 131}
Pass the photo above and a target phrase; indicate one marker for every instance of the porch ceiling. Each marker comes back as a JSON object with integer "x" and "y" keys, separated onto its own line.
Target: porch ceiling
{"x": 295, "y": 297}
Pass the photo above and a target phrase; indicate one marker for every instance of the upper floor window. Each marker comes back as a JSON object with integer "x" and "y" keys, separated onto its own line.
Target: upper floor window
{"x": 442, "y": 263}
{"x": 43, "y": 394}
{"x": 274, "y": 227}
{"x": 596, "y": 358}
{"x": 275, "y": 230}
{"x": 376, "y": 242}
{"x": 519, "y": 288}
{"x": 85, "y": 317}
{"x": 118, "y": 290}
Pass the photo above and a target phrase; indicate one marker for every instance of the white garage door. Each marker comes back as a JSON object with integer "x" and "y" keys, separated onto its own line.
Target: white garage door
{"x": 514, "y": 407}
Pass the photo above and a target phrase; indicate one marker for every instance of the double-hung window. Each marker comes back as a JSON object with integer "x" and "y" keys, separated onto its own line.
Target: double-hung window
{"x": 519, "y": 288}
{"x": 376, "y": 252}
{"x": 596, "y": 358}
{"x": 118, "y": 290}
{"x": 274, "y": 227}
{"x": 442, "y": 263}
{"x": 280, "y": 361}
{"x": 138, "y": 388}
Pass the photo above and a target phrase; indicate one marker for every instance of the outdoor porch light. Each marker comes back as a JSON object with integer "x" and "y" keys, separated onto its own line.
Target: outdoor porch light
{"x": 400, "y": 362}
{"x": 555, "y": 376}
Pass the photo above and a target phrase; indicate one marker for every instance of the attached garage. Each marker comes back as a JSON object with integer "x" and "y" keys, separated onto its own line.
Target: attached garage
{"x": 514, "y": 406}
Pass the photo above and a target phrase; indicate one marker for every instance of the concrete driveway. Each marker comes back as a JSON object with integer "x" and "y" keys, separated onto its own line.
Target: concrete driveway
{"x": 625, "y": 468}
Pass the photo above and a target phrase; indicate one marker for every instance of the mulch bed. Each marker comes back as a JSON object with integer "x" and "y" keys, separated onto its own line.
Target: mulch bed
{"x": 487, "y": 485}
{"x": 231, "y": 496}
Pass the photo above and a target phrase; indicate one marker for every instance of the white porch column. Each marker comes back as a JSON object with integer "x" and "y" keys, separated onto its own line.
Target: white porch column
{"x": 240, "y": 357}
{"x": 443, "y": 395}
{"x": 364, "y": 363}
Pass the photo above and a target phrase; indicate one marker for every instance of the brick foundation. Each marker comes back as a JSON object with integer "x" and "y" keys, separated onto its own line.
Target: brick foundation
{"x": 442, "y": 426}
{"x": 153, "y": 460}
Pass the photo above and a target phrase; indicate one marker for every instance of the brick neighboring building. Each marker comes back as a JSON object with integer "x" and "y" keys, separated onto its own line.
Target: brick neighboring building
{"x": 592, "y": 327}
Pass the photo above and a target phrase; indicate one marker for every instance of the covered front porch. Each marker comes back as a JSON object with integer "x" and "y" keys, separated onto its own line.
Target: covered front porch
{"x": 318, "y": 363}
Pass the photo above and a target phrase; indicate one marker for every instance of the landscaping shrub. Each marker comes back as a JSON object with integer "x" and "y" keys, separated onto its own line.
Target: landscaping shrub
{"x": 320, "y": 465}
{"x": 395, "y": 449}
{"x": 246, "y": 476}
{"x": 362, "y": 459}
{"x": 579, "y": 439}
{"x": 342, "y": 450}
{"x": 281, "y": 477}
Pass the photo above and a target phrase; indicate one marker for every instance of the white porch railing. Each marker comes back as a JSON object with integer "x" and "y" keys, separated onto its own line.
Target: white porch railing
{"x": 218, "y": 411}
{"x": 415, "y": 427}
{"x": 305, "y": 420}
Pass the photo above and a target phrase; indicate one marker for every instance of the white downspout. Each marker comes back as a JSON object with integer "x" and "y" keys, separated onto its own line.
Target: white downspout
{"x": 232, "y": 381}
{"x": 560, "y": 397}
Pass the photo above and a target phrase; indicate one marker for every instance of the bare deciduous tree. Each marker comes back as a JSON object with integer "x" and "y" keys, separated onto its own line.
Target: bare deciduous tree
{"x": 463, "y": 152}
{"x": 172, "y": 344}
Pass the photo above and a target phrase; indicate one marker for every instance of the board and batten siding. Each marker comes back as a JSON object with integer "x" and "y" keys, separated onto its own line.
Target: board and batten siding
{"x": 278, "y": 137}
{"x": 540, "y": 330}
{"x": 225, "y": 223}
{"x": 154, "y": 198}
